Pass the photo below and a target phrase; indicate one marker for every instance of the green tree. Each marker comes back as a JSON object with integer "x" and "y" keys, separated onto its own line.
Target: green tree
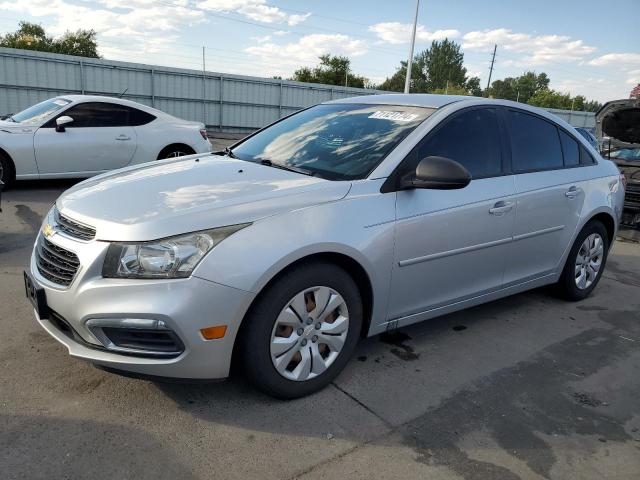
{"x": 333, "y": 70}
{"x": 440, "y": 67}
{"x": 520, "y": 88}
{"x": 31, "y": 36}
{"x": 548, "y": 98}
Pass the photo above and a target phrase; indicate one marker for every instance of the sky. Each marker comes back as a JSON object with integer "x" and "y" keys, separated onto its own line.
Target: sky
{"x": 587, "y": 47}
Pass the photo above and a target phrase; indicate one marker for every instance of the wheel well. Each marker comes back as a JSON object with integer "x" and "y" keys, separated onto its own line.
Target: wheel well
{"x": 186, "y": 148}
{"x": 608, "y": 222}
{"x": 351, "y": 266}
{"x": 4, "y": 154}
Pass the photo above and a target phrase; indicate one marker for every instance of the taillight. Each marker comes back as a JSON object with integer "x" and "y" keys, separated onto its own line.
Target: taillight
{"x": 203, "y": 132}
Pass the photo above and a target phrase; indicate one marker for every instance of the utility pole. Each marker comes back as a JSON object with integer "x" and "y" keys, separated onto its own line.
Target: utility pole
{"x": 407, "y": 80}
{"x": 204, "y": 90}
{"x": 493, "y": 59}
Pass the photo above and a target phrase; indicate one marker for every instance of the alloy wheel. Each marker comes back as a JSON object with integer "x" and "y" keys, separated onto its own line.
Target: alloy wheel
{"x": 309, "y": 333}
{"x": 589, "y": 261}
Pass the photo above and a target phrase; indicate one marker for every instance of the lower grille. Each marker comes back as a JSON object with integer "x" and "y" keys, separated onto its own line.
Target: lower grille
{"x": 153, "y": 341}
{"x": 56, "y": 264}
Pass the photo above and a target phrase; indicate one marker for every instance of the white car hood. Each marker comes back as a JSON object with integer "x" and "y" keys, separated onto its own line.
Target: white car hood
{"x": 12, "y": 127}
{"x": 167, "y": 198}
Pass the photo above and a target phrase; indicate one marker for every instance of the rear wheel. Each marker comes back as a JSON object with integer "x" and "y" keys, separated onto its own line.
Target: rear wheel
{"x": 585, "y": 262}
{"x": 302, "y": 331}
{"x": 177, "y": 150}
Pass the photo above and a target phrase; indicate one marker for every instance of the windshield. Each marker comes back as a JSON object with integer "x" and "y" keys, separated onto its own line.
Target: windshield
{"x": 40, "y": 111}
{"x": 334, "y": 141}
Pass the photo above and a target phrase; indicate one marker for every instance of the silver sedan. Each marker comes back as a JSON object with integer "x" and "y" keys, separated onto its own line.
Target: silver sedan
{"x": 344, "y": 220}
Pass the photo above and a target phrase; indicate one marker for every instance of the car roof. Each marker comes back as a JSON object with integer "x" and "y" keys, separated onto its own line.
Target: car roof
{"x": 408, "y": 99}
{"x": 119, "y": 101}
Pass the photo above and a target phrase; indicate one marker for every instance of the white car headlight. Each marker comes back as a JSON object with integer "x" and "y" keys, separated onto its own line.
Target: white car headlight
{"x": 173, "y": 257}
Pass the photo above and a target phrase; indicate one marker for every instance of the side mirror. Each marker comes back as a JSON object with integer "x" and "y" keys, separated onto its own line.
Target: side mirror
{"x": 438, "y": 173}
{"x": 61, "y": 122}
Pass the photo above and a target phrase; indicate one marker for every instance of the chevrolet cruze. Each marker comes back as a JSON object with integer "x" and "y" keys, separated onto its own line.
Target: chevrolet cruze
{"x": 344, "y": 220}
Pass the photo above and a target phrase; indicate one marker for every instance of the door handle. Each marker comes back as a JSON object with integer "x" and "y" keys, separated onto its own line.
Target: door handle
{"x": 572, "y": 192}
{"x": 123, "y": 137}
{"x": 501, "y": 207}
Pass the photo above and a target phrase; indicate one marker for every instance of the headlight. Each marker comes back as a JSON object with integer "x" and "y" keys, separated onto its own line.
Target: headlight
{"x": 173, "y": 257}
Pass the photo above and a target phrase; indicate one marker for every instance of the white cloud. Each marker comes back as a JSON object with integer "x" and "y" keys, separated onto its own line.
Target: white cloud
{"x": 137, "y": 22}
{"x": 307, "y": 49}
{"x": 618, "y": 59}
{"x": 397, "y": 33}
{"x": 530, "y": 49}
{"x": 257, "y": 10}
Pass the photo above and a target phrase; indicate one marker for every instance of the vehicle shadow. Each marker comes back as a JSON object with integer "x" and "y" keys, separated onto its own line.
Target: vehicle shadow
{"x": 378, "y": 370}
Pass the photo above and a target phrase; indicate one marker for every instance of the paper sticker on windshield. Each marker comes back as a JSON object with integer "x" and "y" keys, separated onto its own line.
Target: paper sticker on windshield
{"x": 61, "y": 103}
{"x": 394, "y": 116}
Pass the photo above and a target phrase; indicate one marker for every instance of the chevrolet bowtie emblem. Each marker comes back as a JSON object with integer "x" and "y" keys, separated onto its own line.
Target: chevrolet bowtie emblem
{"x": 47, "y": 230}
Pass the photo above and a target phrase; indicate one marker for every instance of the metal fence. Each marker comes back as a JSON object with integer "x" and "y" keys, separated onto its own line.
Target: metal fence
{"x": 224, "y": 102}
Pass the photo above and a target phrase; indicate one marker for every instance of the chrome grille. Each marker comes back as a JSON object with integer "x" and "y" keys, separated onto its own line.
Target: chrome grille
{"x": 55, "y": 263}
{"x": 73, "y": 228}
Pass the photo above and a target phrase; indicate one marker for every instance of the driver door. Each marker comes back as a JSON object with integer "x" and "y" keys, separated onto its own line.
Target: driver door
{"x": 98, "y": 139}
{"x": 452, "y": 245}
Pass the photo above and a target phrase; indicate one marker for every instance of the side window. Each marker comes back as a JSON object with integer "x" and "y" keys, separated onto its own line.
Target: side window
{"x": 472, "y": 139}
{"x": 535, "y": 144}
{"x": 98, "y": 114}
{"x": 570, "y": 150}
{"x": 586, "y": 158}
{"x": 138, "y": 117}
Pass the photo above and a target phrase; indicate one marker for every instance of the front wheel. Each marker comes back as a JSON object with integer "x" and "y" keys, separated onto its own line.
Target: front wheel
{"x": 6, "y": 170}
{"x": 585, "y": 262}
{"x": 302, "y": 330}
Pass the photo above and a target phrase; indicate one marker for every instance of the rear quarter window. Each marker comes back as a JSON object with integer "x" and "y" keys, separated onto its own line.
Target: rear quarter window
{"x": 570, "y": 150}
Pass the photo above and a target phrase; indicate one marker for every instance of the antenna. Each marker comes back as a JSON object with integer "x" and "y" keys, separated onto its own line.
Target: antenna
{"x": 123, "y": 92}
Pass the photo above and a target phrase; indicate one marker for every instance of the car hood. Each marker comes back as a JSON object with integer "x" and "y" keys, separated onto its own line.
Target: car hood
{"x": 176, "y": 196}
{"x": 12, "y": 127}
{"x": 619, "y": 120}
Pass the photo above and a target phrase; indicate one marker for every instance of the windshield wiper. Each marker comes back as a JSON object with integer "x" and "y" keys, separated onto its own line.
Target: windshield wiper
{"x": 227, "y": 151}
{"x": 269, "y": 163}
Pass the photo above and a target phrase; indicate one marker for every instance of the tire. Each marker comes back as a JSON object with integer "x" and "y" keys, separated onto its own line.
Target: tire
{"x": 271, "y": 320}
{"x": 7, "y": 172}
{"x": 572, "y": 274}
{"x": 176, "y": 150}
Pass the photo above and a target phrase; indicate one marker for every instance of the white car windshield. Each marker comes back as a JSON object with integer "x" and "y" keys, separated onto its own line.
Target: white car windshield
{"x": 333, "y": 141}
{"x": 40, "y": 111}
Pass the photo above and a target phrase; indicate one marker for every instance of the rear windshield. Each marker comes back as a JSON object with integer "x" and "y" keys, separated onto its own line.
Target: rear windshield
{"x": 40, "y": 111}
{"x": 334, "y": 141}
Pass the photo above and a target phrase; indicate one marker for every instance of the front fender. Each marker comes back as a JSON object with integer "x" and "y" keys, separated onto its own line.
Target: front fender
{"x": 360, "y": 226}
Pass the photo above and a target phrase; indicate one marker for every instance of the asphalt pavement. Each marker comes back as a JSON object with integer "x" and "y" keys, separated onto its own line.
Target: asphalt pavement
{"x": 528, "y": 387}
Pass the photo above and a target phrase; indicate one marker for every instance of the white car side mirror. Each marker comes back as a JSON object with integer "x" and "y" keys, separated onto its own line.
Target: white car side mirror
{"x": 61, "y": 122}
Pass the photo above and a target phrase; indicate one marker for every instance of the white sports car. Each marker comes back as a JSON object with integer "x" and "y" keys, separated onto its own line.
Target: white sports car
{"x": 80, "y": 135}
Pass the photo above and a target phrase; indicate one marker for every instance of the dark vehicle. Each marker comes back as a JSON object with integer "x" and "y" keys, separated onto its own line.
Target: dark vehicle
{"x": 618, "y": 128}
{"x": 589, "y": 137}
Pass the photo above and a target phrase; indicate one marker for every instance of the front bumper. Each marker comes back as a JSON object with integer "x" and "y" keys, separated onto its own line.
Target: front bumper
{"x": 184, "y": 305}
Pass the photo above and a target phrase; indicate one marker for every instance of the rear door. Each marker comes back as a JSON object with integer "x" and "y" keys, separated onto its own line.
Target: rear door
{"x": 99, "y": 138}
{"x": 550, "y": 185}
{"x": 452, "y": 244}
